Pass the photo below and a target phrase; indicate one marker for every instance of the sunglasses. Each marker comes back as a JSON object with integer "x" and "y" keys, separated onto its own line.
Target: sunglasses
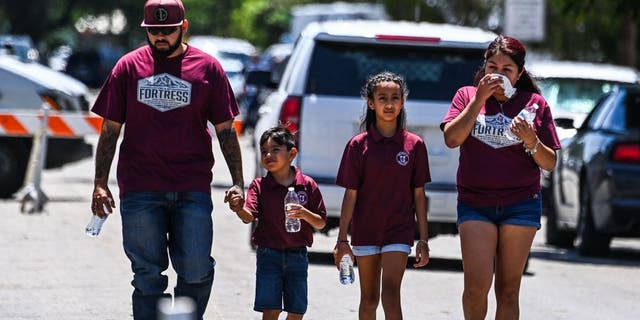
{"x": 164, "y": 30}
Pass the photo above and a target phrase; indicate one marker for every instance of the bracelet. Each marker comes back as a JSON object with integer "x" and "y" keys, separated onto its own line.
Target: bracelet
{"x": 424, "y": 241}
{"x": 342, "y": 241}
{"x": 531, "y": 151}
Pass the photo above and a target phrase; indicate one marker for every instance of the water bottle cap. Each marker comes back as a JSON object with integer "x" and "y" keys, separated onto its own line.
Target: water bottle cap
{"x": 291, "y": 189}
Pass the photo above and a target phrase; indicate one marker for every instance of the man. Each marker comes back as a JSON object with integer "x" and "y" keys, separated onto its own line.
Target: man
{"x": 165, "y": 93}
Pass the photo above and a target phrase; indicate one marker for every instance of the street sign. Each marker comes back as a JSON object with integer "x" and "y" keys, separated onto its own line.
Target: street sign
{"x": 525, "y": 19}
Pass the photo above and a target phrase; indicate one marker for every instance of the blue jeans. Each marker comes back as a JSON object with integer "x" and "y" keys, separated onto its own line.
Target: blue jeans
{"x": 159, "y": 225}
{"x": 281, "y": 278}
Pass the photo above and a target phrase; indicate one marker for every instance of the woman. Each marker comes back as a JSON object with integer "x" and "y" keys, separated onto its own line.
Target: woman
{"x": 501, "y": 154}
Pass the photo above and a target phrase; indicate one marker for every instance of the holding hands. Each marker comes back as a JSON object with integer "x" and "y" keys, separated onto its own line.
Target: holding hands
{"x": 235, "y": 197}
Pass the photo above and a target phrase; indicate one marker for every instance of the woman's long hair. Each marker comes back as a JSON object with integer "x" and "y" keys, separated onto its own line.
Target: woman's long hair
{"x": 368, "y": 90}
{"x": 517, "y": 52}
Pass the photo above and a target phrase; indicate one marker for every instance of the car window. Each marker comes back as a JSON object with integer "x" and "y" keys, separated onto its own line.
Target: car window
{"x": 340, "y": 69}
{"x": 573, "y": 95}
{"x": 623, "y": 114}
{"x": 600, "y": 114}
{"x": 632, "y": 110}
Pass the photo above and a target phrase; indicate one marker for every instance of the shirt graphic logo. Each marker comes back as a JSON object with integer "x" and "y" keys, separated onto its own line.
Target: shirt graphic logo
{"x": 492, "y": 130}
{"x": 161, "y": 14}
{"x": 402, "y": 158}
{"x": 303, "y": 197}
{"x": 164, "y": 92}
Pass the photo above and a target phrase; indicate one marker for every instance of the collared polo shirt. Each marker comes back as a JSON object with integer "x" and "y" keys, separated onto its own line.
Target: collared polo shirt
{"x": 265, "y": 200}
{"x": 385, "y": 172}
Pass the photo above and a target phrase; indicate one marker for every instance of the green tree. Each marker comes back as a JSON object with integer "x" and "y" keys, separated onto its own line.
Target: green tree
{"x": 600, "y": 31}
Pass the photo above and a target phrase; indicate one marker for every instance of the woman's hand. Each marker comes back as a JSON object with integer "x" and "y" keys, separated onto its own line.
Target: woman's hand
{"x": 523, "y": 130}
{"x": 487, "y": 86}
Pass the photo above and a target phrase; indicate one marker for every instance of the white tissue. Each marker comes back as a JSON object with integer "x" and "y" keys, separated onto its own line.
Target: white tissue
{"x": 509, "y": 90}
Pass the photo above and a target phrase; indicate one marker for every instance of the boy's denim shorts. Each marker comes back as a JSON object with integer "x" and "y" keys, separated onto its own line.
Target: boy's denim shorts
{"x": 524, "y": 213}
{"x": 360, "y": 251}
{"x": 281, "y": 279}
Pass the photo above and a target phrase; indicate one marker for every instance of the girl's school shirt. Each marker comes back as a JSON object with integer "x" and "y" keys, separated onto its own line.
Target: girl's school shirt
{"x": 385, "y": 172}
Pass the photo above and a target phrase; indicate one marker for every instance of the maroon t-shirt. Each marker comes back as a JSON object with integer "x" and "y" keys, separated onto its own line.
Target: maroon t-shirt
{"x": 265, "y": 200}
{"x": 493, "y": 169}
{"x": 165, "y": 104}
{"x": 384, "y": 171}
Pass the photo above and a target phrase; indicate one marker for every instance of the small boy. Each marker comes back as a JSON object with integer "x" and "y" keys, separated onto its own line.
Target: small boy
{"x": 282, "y": 262}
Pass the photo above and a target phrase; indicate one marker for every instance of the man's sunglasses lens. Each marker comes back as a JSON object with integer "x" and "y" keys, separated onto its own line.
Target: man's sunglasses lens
{"x": 164, "y": 30}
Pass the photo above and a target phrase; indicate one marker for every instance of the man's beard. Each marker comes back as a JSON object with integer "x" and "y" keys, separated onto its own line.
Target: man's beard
{"x": 166, "y": 52}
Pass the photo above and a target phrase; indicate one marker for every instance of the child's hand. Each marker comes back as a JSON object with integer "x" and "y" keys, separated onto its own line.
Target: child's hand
{"x": 298, "y": 211}
{"x": 236, "y": 202}
{"x": 422, "y": 254}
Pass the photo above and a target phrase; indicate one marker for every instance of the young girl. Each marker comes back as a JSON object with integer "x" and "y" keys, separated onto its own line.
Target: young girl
{"x": 384, "y": 169}
{"x": 282, "y": 263}
{"x": 501, "y": 154}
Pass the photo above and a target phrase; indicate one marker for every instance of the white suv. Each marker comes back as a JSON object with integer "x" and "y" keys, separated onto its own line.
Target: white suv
{"x": 319, "y": 95}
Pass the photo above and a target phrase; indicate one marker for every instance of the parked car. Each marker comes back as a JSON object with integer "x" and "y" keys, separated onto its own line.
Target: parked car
{"x": 23, "y": 88}
{"x": 19, "y": 45}
{"x": 25, "y": 85}
{"x": 225, "y": 48}
{"x": 93, "y": 65}
{"x": 319, "y": 96}
{"x": 572, "y": 88}
{"x": 234, "y": 69}
{"x": 596, "y": 187}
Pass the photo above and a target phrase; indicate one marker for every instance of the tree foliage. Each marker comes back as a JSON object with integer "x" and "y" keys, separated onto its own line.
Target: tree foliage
{"x": 591, "y": 30}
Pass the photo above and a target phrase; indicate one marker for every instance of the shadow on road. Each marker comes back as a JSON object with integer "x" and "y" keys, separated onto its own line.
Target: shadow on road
{"x": 435, "y": 264}
{"x": 616, "y": 256}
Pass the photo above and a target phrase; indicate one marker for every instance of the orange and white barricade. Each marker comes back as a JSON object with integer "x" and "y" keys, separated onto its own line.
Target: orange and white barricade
{"x": 41, "y": 124}
{"x": 60, "y": 125}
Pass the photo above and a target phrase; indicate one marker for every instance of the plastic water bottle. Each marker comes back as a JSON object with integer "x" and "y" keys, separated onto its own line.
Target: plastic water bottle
{"x": 291, "y": 224}
{"x": 528, "y": 114}
{"x": 95, "y": 225}
{"x": 347, "y": 275}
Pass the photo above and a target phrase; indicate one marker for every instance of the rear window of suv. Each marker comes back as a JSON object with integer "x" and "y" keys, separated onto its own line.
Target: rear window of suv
{"x": 432, "y": 73}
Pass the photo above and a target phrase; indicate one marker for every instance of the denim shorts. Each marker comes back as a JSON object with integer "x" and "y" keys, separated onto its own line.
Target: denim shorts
{"x": 281, "y": 279}
{"x": 524, "y": 213}
{"x": 359, "y": 251}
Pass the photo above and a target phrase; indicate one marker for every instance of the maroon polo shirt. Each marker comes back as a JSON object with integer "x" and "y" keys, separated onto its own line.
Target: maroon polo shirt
{"x": 265, "y": 200}
{"x": 385, "y": 172}
{"x": 494, "y": 170}
{"x": 165, "y": 104}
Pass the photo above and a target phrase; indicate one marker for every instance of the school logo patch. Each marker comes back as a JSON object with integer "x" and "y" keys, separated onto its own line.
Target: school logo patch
{"x": 303, "y": 197}
{"x": 402, "y": 158}
{"x": 492, "y": 130}
{"x": 164, "y": 92}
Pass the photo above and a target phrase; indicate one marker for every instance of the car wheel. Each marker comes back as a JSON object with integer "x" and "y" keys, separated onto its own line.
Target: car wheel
{"x": 590, "y": 241}
{"x": 554, "y": 235}
{"x": 12, "y": 170}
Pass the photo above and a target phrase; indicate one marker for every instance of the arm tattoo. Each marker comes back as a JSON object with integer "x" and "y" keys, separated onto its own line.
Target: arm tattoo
{"x": 231, "y": 150}
{"x": 106, "y": 150}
